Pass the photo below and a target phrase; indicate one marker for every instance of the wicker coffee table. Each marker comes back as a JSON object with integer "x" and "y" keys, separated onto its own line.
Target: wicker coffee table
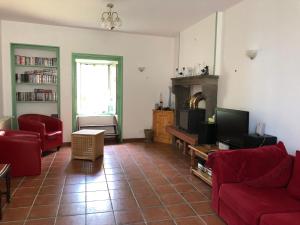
{"x": 87, "y": 144}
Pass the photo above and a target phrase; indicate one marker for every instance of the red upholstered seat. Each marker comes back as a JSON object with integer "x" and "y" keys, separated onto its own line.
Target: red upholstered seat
{"x": 281, "y": 219}
{"x": 49, "y": 128}
{"x": 257, "y": 186}
{"x": 251, "y": 203}
{"x": 22, "y": 150}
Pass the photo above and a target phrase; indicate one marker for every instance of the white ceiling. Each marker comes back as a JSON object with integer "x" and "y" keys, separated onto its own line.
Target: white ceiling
{"x": 156, "y": 17}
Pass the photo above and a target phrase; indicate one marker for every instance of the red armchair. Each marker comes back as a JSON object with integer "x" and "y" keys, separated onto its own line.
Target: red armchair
{"x": 49, "y": 128}
{"x": 22, "y": 150}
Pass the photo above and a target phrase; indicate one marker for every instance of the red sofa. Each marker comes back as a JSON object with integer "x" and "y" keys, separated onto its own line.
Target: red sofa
{"x": 49, "y": 128}
{"x": 22, "y": 150}
{"x": 256, "y": 186}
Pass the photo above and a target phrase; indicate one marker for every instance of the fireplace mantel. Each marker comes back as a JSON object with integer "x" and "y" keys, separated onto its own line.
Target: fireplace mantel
{"x": 195, "y": 80}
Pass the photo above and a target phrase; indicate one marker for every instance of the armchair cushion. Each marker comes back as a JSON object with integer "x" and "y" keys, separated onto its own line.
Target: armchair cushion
{"x": 294, "y": 185}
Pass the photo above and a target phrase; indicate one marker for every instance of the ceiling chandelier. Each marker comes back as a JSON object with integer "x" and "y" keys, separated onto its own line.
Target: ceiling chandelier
{"x": 110, "y": 19}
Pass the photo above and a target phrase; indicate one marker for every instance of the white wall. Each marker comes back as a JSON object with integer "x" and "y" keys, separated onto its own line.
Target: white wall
{"x": 269, "y": 85}
{"x": 197, "y": 44}
{"x": 140, "y": 90}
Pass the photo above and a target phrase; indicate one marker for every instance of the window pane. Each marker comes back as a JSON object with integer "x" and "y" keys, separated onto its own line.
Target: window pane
{"x": 96, "y": 89}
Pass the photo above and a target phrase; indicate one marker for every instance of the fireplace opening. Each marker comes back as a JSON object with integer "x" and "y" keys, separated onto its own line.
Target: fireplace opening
{"x": 191, "y": 116}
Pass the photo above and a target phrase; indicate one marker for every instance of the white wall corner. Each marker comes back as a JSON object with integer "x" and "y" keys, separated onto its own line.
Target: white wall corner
{"x": 218, "y": 43}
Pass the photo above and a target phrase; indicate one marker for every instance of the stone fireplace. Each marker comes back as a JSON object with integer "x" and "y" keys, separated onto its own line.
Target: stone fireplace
{"x": 183, "y": 88}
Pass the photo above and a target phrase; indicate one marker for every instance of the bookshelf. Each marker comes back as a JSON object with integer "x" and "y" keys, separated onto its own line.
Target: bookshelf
{"x": 35, "y": 73}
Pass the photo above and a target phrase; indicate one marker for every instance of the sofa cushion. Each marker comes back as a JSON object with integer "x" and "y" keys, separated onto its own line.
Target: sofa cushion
{"x": 294, "y": 185}
{"x": 281, "y": 219}
{"x": 260, "y": 161}
{"x": 277, "y": 177}
{"x": 250, "y": 203}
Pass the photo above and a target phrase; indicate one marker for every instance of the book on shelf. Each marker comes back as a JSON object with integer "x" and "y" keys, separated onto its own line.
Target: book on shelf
{"x": 47, "y": 76}
{"x": 35, "y": 61}
{"x": 37, "y": 95}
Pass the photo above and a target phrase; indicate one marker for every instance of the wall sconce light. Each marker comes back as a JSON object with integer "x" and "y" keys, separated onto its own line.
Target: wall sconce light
{"x": 141, "y": 68}
{"x": 251, "y": 53}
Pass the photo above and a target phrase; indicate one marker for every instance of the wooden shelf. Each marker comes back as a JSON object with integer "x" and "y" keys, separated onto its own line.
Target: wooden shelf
{"x": 201, "y": 151}
{"x": 203, "y": 176}
{"x": 38, "y": 66}
{"x": 187, "y": 138}
{"x": 36, "y": 101}
{"x": 29, "y": 83}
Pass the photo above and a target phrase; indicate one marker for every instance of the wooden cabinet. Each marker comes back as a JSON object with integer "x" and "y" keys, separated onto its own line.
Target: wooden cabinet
{"x": 162, "y": 119}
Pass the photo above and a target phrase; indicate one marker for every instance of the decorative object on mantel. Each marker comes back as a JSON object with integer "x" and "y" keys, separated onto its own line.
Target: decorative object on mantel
{"x": 141, "y": 68}
{"x": 198, "y": 69}
{"x": 110, "y": 19}
{"x": 251, "y": 53}
{"x": 205, "y": 71}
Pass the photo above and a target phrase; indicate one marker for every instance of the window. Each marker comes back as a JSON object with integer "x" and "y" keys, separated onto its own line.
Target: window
{"x": 96, "y": 87}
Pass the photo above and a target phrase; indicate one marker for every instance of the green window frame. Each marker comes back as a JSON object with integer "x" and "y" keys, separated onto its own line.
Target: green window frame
{"x": 119, "y": 110}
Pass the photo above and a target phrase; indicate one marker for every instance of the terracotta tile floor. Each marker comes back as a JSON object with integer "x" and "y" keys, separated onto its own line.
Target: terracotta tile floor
{"x": 133, "y": 183}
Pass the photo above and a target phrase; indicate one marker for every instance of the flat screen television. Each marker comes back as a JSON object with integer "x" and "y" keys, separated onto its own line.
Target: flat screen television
{"x": 232, "y": 126}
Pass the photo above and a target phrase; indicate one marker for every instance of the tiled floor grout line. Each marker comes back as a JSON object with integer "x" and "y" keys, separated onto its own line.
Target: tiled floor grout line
{"x": 60, "y": 197}
{"x": 39, "y": 190}
{"x": 138, "y": 204}
{"x": 134, "y": 175}
{"x": 85, "y": 195}
{"x": 12, "y": 194}
{"x": 191, "y": 183}
{"x": 108, "y": 190}
{"x": 157, "y": 195}
{"x": 187, "y": 202}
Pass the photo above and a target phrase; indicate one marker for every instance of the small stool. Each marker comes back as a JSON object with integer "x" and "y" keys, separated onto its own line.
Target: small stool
{"x": 5, "y": 173}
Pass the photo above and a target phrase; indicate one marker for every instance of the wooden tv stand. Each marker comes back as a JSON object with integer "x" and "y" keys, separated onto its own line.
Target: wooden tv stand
{"x": 202, "y": 152}
{"x": 185, "y": 137}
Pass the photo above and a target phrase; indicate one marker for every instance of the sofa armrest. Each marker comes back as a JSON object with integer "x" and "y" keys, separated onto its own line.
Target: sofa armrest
{"x": 13, "y": 149}
{"x": 20, "y": 134}
{"x": 235, "y": 166}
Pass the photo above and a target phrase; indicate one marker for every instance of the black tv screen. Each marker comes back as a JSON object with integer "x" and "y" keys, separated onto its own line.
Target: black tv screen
{"x": 232, "y": 125}
{"x": 190, "y": 119}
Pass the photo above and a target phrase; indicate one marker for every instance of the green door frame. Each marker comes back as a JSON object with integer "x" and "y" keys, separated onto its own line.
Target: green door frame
{"x": 119, "y": 59}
